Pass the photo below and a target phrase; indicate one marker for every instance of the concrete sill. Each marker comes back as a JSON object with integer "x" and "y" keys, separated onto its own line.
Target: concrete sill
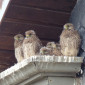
{"x": 36, "y": 67}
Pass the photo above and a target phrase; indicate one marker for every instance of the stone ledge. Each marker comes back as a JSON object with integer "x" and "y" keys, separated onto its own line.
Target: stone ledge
{"x": 39, "y": 66}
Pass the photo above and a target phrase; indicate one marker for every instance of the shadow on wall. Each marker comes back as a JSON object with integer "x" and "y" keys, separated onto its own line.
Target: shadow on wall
{"x": 78, "y": 19}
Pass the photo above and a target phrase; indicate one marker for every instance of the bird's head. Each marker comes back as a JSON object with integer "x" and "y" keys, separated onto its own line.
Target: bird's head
{"x": 68, "y": 26}
{"x": 51, "y": 45}
{"x": 44, "y": 51}
{"x": 30, "y": 33}
{"x": 19, "y": 37}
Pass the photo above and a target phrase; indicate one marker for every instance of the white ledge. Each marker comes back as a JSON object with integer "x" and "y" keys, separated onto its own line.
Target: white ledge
{"x": 37, "y": 67}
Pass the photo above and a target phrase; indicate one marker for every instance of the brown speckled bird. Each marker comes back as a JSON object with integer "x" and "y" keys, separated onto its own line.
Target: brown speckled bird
{"x": 56, "y": 49}
{"x": 69, "y": 40}
{"x": 18, "y": 47}
{"x": 31, "y": 44}
{"x": 45, "y": 51}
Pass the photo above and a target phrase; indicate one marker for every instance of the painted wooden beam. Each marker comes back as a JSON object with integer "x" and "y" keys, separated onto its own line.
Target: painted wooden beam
{"x": 36, "y": 15}
{"x": 60, "y": 5}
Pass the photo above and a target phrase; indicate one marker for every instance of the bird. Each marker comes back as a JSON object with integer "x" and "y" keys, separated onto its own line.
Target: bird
{"x": 56, "y": 49}
{"x": 45, "y": 51}
{"x": 18, "y": 41}
{"x": 51, "y": 45}
{"x": 70, "y": 40}
{"x": 31, "y": 44}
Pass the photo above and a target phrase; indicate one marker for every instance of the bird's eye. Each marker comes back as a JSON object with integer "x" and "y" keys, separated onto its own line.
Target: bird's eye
{"x": 45, "y": 51}
{"x": 49, "y": 44}
{"x": 68, "y": 26}
{"x": 19, "y": 38}
{"x": 30, "y": 34}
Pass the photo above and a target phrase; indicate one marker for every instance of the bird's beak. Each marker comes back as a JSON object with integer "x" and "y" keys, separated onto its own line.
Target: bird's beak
{"x": 54, "y": 46}
{"x": 41, "y": 52}
{"x": 65, "y": 27}
{"x": 16, "y": 38}
{"x": 27, "y": 36}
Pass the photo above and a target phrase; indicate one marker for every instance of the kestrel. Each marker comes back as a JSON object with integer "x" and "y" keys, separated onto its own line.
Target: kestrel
{"x": 45, "y": 51}
{"x": 18, "y": 47}
{"x": 31, "y": 44}
{"x": 69, "y": 40}
{"x": 56, "y": 49}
